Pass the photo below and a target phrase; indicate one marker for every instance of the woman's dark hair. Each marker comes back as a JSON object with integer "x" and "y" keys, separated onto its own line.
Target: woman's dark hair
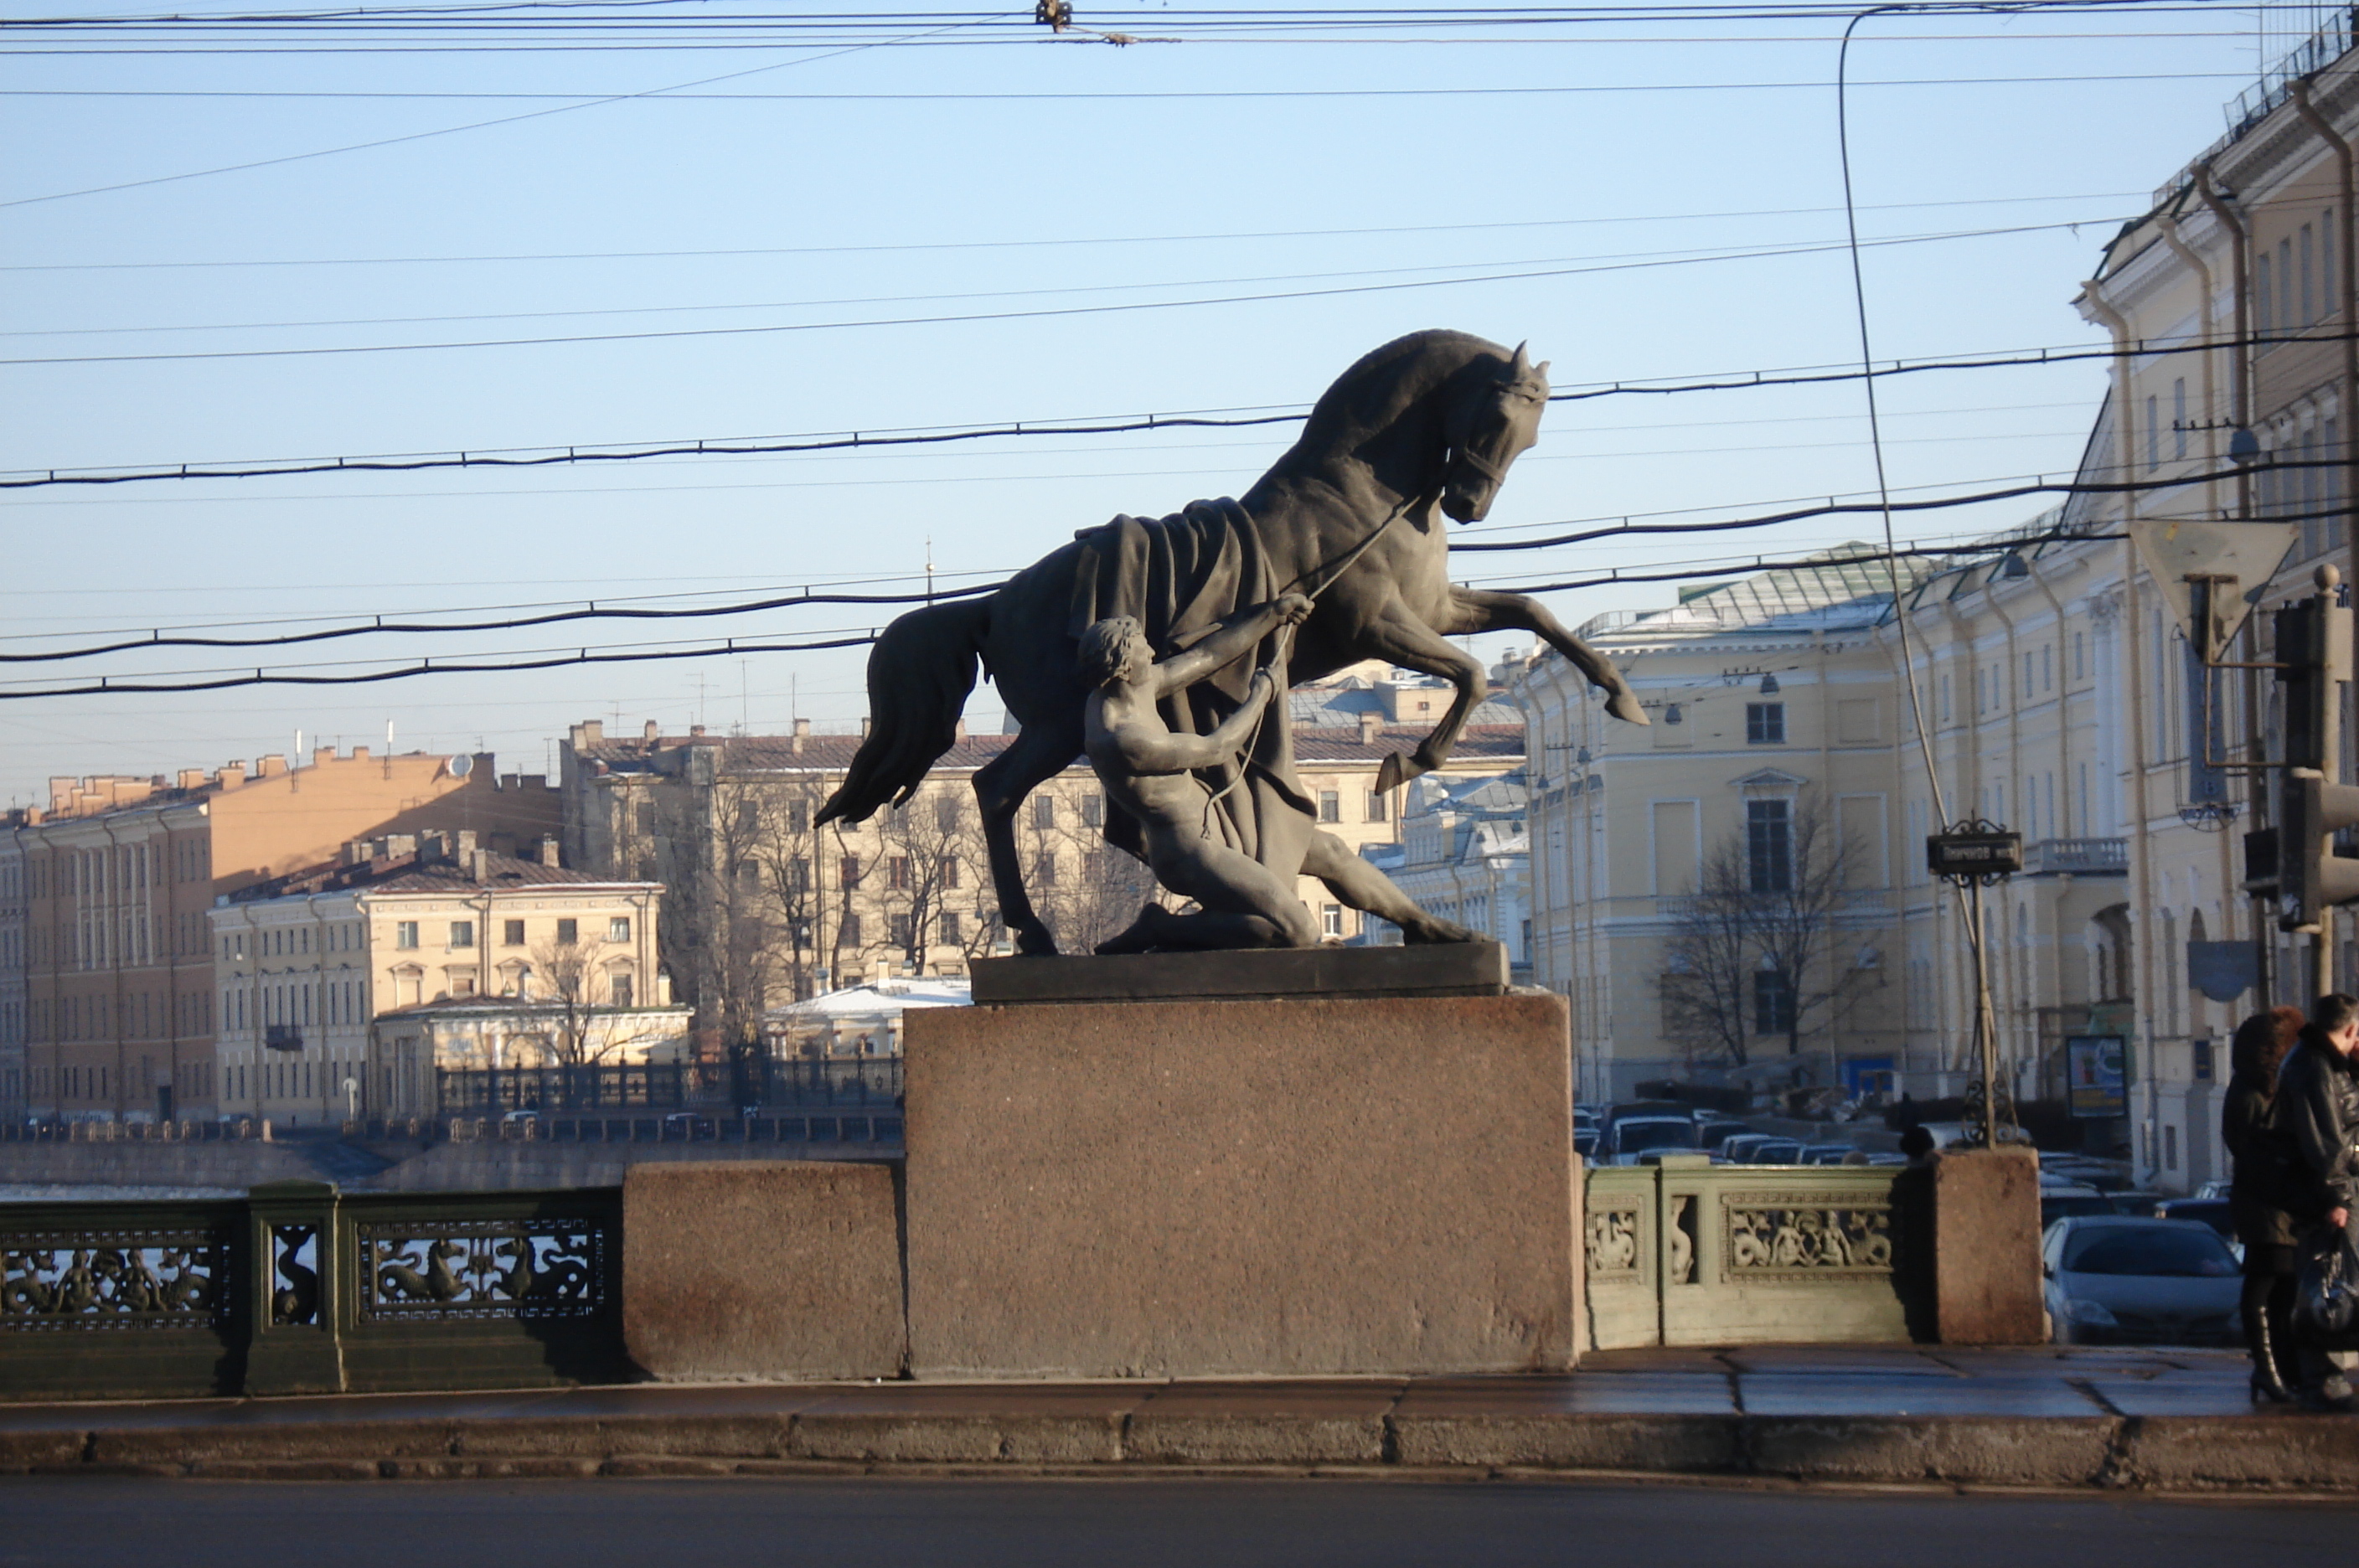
{"x": 2261, "y": 1043}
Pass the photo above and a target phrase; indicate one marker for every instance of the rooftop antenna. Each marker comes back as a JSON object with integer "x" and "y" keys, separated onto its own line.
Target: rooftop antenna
{"x": 929, "y": 569}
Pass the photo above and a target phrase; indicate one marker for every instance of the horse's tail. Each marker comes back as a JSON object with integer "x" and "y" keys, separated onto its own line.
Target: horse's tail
{"x": 918, "y": 677}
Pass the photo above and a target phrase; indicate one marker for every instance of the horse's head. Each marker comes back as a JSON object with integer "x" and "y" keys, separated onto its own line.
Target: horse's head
{"x": 1490, "y": 424}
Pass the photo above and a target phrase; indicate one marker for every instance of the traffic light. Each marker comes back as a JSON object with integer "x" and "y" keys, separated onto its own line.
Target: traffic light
{"x": 2311, "y": 660}
{"x": 2311, "y": 874}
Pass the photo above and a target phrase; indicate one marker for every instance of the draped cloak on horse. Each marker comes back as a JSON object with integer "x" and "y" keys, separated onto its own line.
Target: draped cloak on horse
{"x": 1180, "y": 577}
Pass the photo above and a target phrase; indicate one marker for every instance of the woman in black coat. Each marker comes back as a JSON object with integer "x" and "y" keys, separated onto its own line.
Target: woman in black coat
{"x": 2257, "y": 1195}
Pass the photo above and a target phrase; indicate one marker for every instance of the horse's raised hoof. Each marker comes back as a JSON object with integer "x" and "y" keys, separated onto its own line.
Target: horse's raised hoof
{"x": 1623, "y": 705}
{"x": 1035, "y": 944}
{"x": 1393, "y": 774}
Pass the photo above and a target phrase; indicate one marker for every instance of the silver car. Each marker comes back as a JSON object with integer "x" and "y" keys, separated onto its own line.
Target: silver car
{"x": 2120, "y": 1280}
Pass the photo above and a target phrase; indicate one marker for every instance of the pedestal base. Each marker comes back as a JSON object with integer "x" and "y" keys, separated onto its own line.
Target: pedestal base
{"x": 1204, "y": 1188}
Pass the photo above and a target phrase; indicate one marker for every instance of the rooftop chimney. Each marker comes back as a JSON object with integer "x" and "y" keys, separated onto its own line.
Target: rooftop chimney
{"x": 466, "y": 850}
{"x": 590, "y": 732}
{"x": 652, "y": 733}
{"x": 232, "y": 775}
{"x": 802, "y": 733}
{"x": 360, "y": 754}
{"x": 695, "y": 730}
{"x": 548, "y": 855}
{"x": 958, "y": 731}
{"x": 478, "y": 862}
{"x": 270, "y": 766}
{"x": 321, "y": 753}
{"x": 1372, "y": 724}
{"x": 193, "y": 777}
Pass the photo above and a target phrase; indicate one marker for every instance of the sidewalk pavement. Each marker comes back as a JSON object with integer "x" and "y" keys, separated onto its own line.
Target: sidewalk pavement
{"x": 2048, "y": 1418}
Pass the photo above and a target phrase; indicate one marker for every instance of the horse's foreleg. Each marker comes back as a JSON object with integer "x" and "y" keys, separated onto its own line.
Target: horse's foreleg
{"x": 1040, "y": 753}
{"x": 1398, "y": 634}
{"x": 1483, "y": 610}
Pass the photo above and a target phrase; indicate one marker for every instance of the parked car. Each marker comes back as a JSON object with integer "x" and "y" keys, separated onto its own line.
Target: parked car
{"x": 2117, "y": 1279}
{"x": 1711, "y": 1135}
{"x": 2067, "y": 1201}
{"x": 1826, "y": 1154}
{"x": 1584, "y": 1140}
{"x": 1775, "y": 1151}
{"x": 1737, "y": 1147}
{"x": 1633, "y": 1136}
{"x": 2212, "y": 1212}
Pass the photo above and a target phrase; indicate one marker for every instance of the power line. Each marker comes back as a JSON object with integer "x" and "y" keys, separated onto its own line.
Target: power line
{"x": 764, "y": 446}
{"x": 591, "y": 611}
{"x": 935, "y": 245}
{"x": 1048, "y": 312}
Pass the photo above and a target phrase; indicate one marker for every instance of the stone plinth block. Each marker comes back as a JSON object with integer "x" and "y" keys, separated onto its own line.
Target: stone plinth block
{"x": 764, "y": 1270}
{"x": 1987, "y": 1246}
{"x": 1182, "y": 1189}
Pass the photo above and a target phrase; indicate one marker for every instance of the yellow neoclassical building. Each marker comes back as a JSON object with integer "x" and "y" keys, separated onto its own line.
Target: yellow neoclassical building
{"x": 329, "y": 980}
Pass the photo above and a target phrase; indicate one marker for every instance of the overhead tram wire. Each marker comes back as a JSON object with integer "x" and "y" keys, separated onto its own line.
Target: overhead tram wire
{"x": 1272, "y": 296}
{"x": 476, "y": 664}
{"x": 766, "y": 446}
{"x": 591, "y": 611}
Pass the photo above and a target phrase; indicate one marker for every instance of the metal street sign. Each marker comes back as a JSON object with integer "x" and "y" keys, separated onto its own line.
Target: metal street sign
{"x": 1977, "y": 850}
{"x": 2233, "y": 561}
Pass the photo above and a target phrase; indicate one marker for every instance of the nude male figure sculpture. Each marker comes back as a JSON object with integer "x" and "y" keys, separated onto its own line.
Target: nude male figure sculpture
{"x": 1150, "y": 772}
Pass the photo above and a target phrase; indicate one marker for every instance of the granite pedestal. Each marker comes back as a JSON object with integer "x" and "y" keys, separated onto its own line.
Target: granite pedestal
{"x": 1373, "y": 1180}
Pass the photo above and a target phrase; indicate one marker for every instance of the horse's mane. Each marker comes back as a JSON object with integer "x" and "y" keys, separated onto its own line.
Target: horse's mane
{"x": 1362, "y": 396}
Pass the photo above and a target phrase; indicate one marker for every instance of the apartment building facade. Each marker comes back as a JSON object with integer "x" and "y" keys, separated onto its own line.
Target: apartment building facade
{"x": 343, "y": 988}
{"x": 113, "y": 959}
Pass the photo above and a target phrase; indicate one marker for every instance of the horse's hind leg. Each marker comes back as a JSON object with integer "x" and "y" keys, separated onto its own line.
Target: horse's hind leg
{"x": 1040, "y": 753}
{"x": 1485, "y": 610}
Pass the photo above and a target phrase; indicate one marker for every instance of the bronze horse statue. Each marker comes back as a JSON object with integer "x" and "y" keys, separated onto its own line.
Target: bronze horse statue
{"x": 1423, "y": 428}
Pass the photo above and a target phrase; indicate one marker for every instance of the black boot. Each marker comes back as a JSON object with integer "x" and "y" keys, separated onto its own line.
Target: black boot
{"x": 2278, "y": 1313}
{"x": 2260, "y": 1338}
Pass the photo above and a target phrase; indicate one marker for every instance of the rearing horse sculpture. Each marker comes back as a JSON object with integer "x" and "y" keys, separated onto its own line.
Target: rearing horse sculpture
{"x": 1422, "y": 428}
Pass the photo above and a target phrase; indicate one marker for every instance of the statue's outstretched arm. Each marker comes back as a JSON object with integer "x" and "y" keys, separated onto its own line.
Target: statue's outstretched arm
{"x": 1161, "y": 751}
{"x": 1235, "y": 638}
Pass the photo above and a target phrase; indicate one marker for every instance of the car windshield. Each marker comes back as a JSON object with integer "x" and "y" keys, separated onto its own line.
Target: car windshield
{"x": 1777, "y": 1151}
{"x": 1632, "y": 1136}
{"x": 2157, "y": 1252}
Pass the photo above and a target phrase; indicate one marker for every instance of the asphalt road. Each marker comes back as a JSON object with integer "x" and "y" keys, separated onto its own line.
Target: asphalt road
{"x": 1133, "y": 1523}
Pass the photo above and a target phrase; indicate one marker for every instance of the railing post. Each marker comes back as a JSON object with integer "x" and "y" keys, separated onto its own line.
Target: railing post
{"x": 297, "y": 1303}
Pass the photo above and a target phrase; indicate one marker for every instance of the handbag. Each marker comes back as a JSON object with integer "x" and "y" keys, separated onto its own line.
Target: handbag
{"x": 2326, "y": 1290}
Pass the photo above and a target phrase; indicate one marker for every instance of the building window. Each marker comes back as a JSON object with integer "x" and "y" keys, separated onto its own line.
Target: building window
{"x": 1773, "y": 1002}
{"x": 897, "y": 871}
{"x": 949, "y": 871}
{"x": 1044, "y": 811}
{"x": 848, "y": 932}
{"x": 1765, "y": 723}
{"x": 1330, "y": 805}
{"x": 622, "y": 991}
{"x": 905, "y": 930}
{"x": 1093, "y": 811}
{"x": 569, "y": 932}
{"x": 1044, "y": 871}
{"x": 848, "y": 873}
{"x": 1330, "y": 918}
{"x": 405, "y": 934}
{"x": 951, "y": 933}
{"x": 463, "y": 933}
{"x": 511, "y": 934}
{"x": 1378, "y": 808}
{"x": 1769, "y": 845}
{"x": 618, "y": 927}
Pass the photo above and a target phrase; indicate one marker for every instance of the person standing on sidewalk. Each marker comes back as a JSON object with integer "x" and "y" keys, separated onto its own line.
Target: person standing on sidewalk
{"x": 2256, "y": 1198}
{"x": 2317, "y": 1111}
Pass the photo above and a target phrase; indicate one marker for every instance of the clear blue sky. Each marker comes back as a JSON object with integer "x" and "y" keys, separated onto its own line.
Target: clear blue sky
{"x": 993, "y": 172}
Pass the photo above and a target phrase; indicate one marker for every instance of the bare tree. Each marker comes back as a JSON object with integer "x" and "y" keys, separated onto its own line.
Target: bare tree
{"x": 935, "y": 890}
{"x": 786, "y": 847}
{"x": 719, "y": 936}
{"x": 1084, "y": 887}
{"x": 1755, "y": 954}
{"x": 563, "y": 988}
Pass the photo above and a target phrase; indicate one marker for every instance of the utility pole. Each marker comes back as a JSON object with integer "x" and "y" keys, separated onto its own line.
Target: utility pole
{"x": 2313, "y": 660}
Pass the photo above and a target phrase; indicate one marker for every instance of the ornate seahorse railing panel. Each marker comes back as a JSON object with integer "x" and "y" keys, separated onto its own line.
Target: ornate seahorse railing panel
{"x": 104, "y": 1278}
{"x": 458, "y": 1270}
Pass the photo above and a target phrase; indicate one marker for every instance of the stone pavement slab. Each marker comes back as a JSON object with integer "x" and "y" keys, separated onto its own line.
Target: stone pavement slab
{"x": 2164, "y": 1420}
